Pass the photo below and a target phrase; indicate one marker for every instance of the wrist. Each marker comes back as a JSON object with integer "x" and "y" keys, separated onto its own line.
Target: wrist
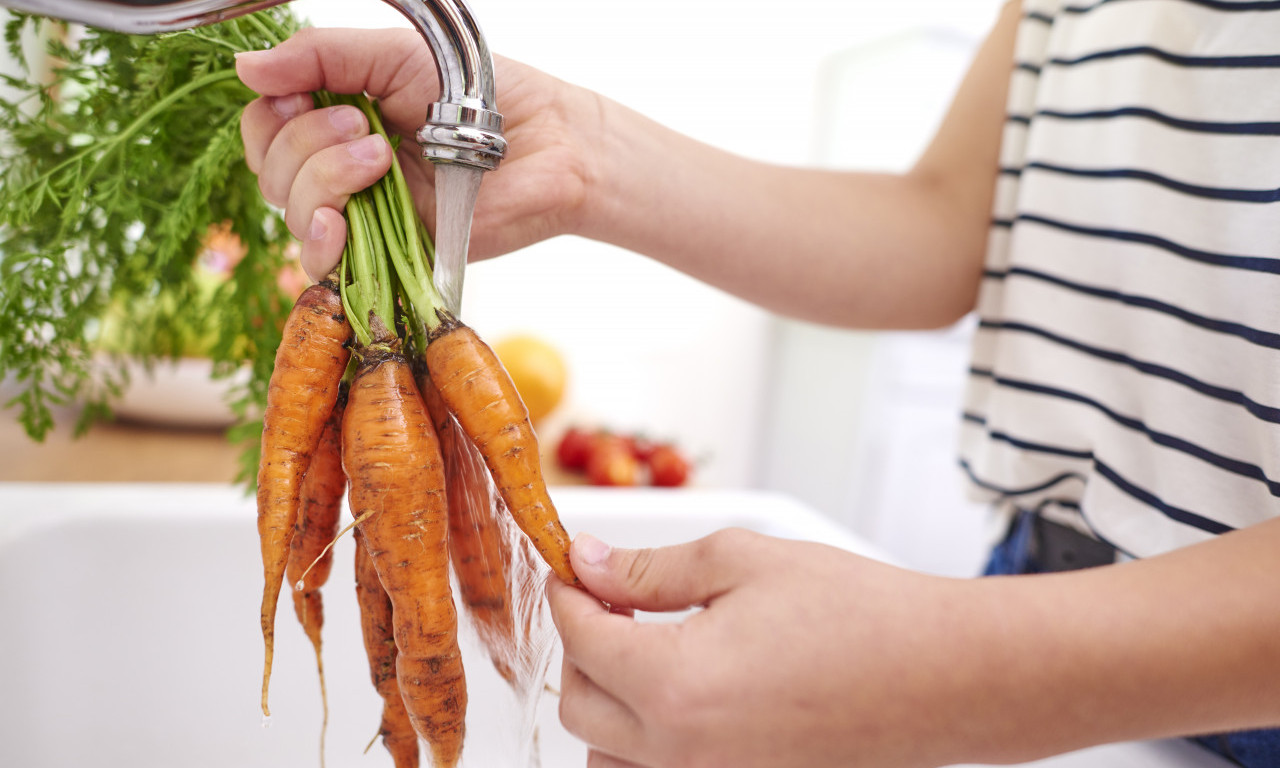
{"x": 978, "y": 681}
{"x": 1173, "y": 645}
{"x": 607, "y": 141}
{"x": 1016, "y": 669}
{"x": 1057, "y": 666}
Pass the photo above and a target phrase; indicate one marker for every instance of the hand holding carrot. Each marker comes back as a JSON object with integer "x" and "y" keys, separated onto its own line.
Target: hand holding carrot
{"x": 311, "y": 160}
{"x": 797, "y": 659}
{"x": 804, "y": 655}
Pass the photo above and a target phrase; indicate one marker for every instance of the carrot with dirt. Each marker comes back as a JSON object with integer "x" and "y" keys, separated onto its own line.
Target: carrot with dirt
{"x": 470, "y": 378}
{"x": 311, "y": 359}
{"x": 480, "y": 554}
{"x": 480, "y": 394}
{"x": 392, "y": 455}
{"x": 393, "y": 460}
{"x": 376, "y": 625}
{"x": 310, "y": 555}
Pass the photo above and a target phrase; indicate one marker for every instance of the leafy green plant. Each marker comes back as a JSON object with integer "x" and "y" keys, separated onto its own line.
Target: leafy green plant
{"x": 114, "y": 170}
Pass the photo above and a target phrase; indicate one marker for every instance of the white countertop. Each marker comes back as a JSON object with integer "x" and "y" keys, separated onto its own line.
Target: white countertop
{"x": 129, "y": 583}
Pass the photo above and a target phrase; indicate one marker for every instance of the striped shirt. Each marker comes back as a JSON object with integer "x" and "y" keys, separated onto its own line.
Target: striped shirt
{"x": 1126, "y": 368}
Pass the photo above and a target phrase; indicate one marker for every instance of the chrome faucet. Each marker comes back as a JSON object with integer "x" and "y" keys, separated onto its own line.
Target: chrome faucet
{"x": 462, "y": 127}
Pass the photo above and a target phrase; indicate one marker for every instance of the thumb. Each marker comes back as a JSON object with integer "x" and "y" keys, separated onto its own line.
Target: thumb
{"x": 663, "y": 579}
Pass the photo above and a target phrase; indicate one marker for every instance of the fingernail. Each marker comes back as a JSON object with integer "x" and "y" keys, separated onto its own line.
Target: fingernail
{"x": 287, "y": 106}
{"x": 318, "y": 228}
{"x": 312, "y": 274}
{"x": 345, "y": 119}
{"x": 251, "y": 55}
{"x": 591, "y": 550}
{"x": 368, "y": 149}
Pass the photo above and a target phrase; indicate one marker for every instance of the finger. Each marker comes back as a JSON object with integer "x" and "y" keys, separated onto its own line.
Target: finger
{"x": 619, "y": 655}
{"x": 668, "y": 578}
{"x": 388, "y": 63}
{"x": 339, "y": 60}
{"x": 594, "y": 716}
{"x": 598, "y": 759}
{"x": 299, "y": 139}
{"x": 329, "y": 177}
{"x": 322, "y": 247}
{"x": 263, "y": 118}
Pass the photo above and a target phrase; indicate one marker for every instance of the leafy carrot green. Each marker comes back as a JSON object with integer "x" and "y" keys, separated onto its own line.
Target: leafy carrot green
{"x": 115, "y": 166}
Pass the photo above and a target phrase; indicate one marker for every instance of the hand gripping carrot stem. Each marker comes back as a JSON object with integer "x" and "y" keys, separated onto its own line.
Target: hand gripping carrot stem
{"x": 304, "y": 386}
{"x": 392, "y": 457}
{"x": 480, "y": 394}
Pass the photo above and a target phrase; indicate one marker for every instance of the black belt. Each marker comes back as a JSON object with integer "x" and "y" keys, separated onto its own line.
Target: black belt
{"x": 1058, "y": 547}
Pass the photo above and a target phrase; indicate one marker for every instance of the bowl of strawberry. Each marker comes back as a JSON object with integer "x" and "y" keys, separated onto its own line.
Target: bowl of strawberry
{"x": 608, "y": 458}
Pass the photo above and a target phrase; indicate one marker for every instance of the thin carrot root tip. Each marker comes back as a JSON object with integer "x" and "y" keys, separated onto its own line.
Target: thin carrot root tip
{"x": 312, "y": 358}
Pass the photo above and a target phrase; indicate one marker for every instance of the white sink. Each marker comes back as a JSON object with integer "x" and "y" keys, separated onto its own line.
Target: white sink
{"x": 130, "y": 636}
{"x": 129, "y": 633}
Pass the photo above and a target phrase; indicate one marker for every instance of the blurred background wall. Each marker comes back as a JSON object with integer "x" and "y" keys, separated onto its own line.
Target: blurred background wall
{"x": 860, "y": 426}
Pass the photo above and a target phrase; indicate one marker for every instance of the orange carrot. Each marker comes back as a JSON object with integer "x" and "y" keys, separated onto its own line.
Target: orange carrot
{"x": 310, "y": 558}
{"x": 480, "y": 554}
{"x": 311, "y": 359}
{"x": 392, "y": 457}
{"x": 480, "y": 394}
{"x": 380, "y": 646}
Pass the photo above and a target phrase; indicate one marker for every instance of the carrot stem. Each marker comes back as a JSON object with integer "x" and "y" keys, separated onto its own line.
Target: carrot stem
{"x": 403, "y": 197}
{"x": 389, "y": 254}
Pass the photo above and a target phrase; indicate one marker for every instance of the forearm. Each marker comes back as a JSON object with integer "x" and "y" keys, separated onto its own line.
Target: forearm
{"x": 1185, "y": 643}
{"x": 853, "y": 249}
{"x": 866, "y": 250}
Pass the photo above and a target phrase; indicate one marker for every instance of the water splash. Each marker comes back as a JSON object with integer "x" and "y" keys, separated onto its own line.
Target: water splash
{"x": 525, "y": 645}
{"x": 517, "y": 638}
{"x": 456, "y": 190}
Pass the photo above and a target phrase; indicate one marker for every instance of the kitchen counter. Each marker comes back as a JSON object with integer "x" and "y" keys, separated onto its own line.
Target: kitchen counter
{"x": 132, "y": 560}
{"x": 115, "y": 452}
{"x": 137, "y": 452}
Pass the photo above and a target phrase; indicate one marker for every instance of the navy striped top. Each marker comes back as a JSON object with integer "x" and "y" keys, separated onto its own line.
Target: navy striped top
{"x": 1126, "y": 367}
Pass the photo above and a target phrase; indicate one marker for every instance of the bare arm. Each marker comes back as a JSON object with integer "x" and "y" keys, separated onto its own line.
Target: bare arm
{"x": 1181, "y": 644}
{"x": 857, "y": 249}
{"x": 854, "y": 249}
{"x": 809, "y": 656}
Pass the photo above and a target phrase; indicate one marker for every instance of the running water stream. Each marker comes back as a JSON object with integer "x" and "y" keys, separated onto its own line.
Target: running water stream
{"x": 527, "y": 649}
{"x": 456, "y": 190}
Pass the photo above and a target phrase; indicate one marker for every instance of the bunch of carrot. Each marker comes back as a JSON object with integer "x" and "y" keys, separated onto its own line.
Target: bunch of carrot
{"x": 372, "y": 374}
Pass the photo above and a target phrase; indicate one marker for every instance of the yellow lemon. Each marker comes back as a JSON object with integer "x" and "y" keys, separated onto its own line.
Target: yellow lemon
{"x": 538, "y": 370}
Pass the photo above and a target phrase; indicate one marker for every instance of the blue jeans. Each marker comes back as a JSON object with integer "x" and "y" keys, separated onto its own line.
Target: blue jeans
{"x": 1017, "y": 555}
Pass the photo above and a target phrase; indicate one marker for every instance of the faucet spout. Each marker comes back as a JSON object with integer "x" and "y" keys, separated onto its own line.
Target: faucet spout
{"x": 462, "y": 127}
